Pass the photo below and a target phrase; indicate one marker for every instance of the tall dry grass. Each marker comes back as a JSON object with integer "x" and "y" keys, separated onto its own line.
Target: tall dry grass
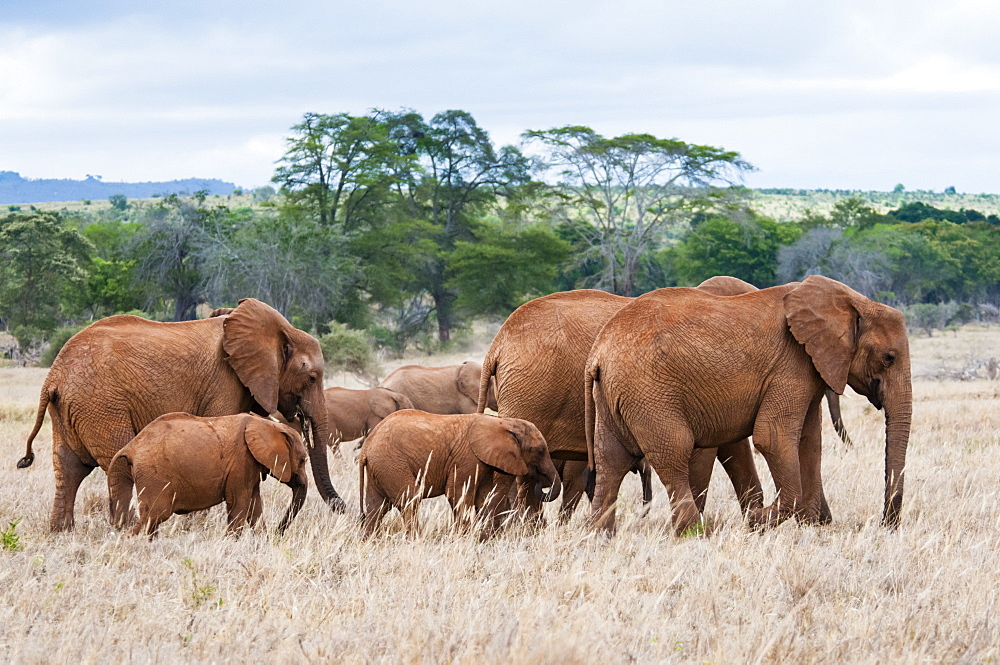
{"x": 850, "y": 592}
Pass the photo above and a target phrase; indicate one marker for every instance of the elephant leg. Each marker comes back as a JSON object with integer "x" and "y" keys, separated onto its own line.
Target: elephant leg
{"x": 673, "y": 466}
{"x": 777, "y": 442}
{"x": 411, "y": 517}
{"x": 529, "y": 505}
{"x": 700, "y": 468}
{"x": 490, "y": 497}
{"x": 373, "y": 503}
{"x": 256, "y": 510}
{"x": 737, "y": 460}
{"x": 613, "y": 461}
{"x": 813, "y": 508}
{"x": 153, "y": 513}
{"x": 462, "y": 498}
{"x": 239, "y": 509}
{"x": 574, "y": 477}
{"x": 645, "y": 470}
{"x": 70, "y": 472}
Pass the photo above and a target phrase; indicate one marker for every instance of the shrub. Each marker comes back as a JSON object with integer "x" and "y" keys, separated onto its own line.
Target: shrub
{"x": 346, "y": 350}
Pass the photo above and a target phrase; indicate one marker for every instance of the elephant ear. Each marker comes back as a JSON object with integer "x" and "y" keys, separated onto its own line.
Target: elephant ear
{"x": 382, "y": 402}
{"x": 270, "y": 446}
{"x": 822, "y": 317}
{"x": 253, "y": 337}
{"x": 500, "y": 449}
{"x": 467, "y": 379}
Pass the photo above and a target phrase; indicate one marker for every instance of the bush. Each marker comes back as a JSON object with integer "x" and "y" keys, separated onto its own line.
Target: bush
{"x": 346, "y": 350}
{"x": 57, "y": 340}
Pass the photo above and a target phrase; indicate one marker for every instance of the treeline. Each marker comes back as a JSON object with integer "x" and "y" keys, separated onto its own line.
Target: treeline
{"x": 407, "y": 229}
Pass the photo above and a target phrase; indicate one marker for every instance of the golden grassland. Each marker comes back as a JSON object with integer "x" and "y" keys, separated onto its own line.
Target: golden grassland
{"x": 849, "y": 592}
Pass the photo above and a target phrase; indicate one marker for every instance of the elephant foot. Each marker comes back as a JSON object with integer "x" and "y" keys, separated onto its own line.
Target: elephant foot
{"x": 764, "y": 518}
{"x": 336, "y": 504}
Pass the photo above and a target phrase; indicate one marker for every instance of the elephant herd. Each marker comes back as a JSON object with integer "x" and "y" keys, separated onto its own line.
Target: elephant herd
{"x": 588, "y": 386}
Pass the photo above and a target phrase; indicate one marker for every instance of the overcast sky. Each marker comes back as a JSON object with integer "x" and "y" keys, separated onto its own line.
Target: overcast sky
{"x": 828, "y": 94}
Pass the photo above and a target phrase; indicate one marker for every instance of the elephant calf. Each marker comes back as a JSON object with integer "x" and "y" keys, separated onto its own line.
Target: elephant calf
{"x": 351, "y": 414}
{"x": 470, "y": 458}
{"x": 181, "y": 463}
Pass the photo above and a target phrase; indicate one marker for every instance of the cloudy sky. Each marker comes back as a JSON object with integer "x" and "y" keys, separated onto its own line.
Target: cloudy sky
{"x": 833, "y": 94}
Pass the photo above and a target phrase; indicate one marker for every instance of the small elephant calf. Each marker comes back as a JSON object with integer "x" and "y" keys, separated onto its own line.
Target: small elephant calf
{"x": 351, "y": 414}
{"x": 181, "y": 463}
{"x": 470, "y": 458}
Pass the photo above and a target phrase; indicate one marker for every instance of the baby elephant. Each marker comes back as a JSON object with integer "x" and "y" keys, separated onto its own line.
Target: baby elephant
{"x": 181, "y": 463}
{"x": 470, "y": 458}
{"x": 351, "y": 414}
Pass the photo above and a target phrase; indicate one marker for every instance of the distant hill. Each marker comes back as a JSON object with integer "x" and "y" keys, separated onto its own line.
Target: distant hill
{"x": 16, "y": 190}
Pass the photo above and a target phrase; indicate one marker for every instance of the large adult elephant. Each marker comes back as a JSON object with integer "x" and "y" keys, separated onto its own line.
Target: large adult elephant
{"x": 444, "y": 390}
{"x": 681, "y": 369}
{"x": 117, "y": 375}
{"x": 538, "y": 358}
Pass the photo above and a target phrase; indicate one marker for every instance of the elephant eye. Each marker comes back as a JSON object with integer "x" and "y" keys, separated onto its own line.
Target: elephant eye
{"x": 888, "y": 359}
{"x": 312, "y": 379}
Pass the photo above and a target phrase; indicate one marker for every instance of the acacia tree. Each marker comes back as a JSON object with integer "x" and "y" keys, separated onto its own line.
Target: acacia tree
{"x": 619, "y": 193}
{"x": 335, "y": 163}
{"x": 453, "y": 175}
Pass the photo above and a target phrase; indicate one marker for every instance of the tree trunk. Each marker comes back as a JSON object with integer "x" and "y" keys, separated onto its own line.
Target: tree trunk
{"x": 443, "y": 301}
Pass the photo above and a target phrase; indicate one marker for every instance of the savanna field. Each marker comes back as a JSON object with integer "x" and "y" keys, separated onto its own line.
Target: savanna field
{"x": 849, "y": 592}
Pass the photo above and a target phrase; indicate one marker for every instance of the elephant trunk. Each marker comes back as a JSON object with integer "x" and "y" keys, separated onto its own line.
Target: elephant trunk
{"x": 548, "y": 478}
{"x": 300, "y": 486}
{"x": 314, "y": 408}
{"x": 898, "y": 403}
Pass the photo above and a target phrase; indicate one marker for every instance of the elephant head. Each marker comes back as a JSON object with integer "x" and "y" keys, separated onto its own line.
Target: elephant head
{"x": 857, "y": 342}
{"x": 522, "y": 452}
{"x": 283, "y": 369}
{"x": 382, "y": 402}
{"x": 280, "y": 450}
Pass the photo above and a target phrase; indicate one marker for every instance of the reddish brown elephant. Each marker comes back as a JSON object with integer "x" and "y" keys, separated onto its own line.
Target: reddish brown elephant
{"x": 681, "y": 369}
{"x": 443, "y": 390}
{"x": 119, "y": 374}
{"x": 181, "y": 463}
{"x": 472, "y": 459}
{"x": 353, "y": 413}
{"x": 537, "y": 360}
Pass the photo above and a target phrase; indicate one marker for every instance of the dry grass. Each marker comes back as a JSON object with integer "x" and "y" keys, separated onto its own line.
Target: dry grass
{"x": 848, "y": 592}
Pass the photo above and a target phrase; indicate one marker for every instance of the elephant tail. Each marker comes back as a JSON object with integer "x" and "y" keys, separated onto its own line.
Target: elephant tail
{"x": 47, "y": 395}
{"x": 489, "y": 370}
{"x": 833, "y": 403}
{"x": 589, "y": 378}
{"x": 362, "y": 463}
{"x": 120, "y": 482}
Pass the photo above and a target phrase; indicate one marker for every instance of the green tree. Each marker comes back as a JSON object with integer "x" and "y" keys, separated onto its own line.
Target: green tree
{"x": 504, "y": 267}
{"x": 42, "y": 260}
{"x": 621, "y": 192}
{"x": 334, "y": 163}
{"x": 287, "y": 259}
{"x": 746, "y": 248}
{"x": 455, "y": 175}
{"x": 170, "y": 249}
{"x": 853, "y": 213}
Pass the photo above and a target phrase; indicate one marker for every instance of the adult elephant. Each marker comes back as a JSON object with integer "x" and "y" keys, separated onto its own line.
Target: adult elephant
{"x": 681, "y": 369}
{"x": 445, "y": 390}
{"x": 538, "y": 358}
{"x": 117, "y": 375}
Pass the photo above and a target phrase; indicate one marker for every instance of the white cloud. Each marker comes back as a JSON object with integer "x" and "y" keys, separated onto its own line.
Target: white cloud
{"x": 808, "y": 91}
